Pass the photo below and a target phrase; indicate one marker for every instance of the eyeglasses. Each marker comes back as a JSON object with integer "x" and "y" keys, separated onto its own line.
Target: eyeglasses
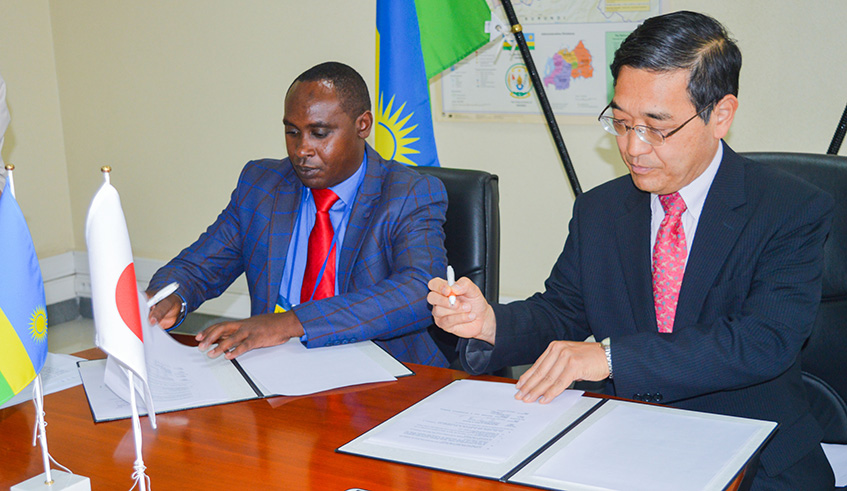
{"x": 647, "y": 134}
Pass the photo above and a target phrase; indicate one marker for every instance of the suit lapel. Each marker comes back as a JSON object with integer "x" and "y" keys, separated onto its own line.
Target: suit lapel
{"x": 633, "y": 237}
{"x": 360, "y": 216}
{"x": 283, "y": 216}
{"x": 721, "y": 221}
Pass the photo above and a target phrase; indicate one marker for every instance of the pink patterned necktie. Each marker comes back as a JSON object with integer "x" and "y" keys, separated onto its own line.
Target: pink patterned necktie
{"x": 669, "y": 256}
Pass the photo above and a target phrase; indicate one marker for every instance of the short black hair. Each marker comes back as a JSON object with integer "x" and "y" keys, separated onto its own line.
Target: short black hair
{"x": 350, "y": 87}
{"x": 689, "y": 41}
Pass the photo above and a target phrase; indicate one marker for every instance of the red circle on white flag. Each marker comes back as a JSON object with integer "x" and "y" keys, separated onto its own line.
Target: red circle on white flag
{"x": 126, "y": 297}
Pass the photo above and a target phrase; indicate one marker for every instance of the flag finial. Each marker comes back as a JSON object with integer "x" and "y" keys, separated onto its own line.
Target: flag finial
{"x": 106, "y": 173}
{"x": 10, "y": 166}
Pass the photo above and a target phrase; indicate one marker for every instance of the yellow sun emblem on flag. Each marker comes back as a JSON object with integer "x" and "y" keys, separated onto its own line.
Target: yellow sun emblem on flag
{"x": 391, "y": 133}
{"x": 38, "y": 324}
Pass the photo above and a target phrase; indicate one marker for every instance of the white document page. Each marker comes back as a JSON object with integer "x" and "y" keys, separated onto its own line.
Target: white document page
{"x": 385, "y": 360}
{"x": 59, "y": 373}
{"x": 183, "y": 377}
{"x": 634, "y": 446}
{"x": 180, "y": 377}
{"x": 471, "y": 427}
{"x": 837, "y": 456}
{"x": 291, "y": 369}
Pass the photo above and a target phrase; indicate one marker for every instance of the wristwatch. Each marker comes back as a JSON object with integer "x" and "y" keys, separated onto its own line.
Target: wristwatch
{"x": 607, "y": 347}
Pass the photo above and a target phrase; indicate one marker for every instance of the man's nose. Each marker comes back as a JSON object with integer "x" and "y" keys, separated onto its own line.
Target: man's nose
{"x": 305, "y": 148}
{"x": 635, "y": 146}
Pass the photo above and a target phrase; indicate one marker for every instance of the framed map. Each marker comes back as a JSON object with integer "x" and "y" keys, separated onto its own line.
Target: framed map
{"x": 572, "y": 44}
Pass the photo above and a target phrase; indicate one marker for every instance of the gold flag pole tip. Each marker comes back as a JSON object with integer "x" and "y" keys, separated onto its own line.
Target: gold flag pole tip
{"x": 10, "y": 166}
{"x": 105, "y": 168}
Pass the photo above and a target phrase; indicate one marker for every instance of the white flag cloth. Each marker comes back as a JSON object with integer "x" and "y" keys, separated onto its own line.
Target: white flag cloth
{"x": 114, "y": 293}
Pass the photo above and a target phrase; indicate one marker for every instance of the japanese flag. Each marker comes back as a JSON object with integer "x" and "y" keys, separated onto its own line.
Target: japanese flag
{"x": 115, "y": 297}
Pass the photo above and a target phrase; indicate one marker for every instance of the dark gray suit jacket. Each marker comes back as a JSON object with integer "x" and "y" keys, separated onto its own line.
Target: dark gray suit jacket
{"x": 748, "y": 299}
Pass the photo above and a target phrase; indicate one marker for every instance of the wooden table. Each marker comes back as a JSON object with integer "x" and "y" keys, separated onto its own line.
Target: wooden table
{"x": 275, "y": 443}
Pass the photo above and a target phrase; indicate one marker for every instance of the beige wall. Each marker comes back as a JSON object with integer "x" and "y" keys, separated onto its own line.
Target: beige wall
{"x": 33, "y": 141}
{"x": 177, "y": 95}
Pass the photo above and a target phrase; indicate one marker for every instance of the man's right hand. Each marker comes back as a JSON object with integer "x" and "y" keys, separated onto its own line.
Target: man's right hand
{"x": 470, "y": 317}
{"x": 166, "y": 312}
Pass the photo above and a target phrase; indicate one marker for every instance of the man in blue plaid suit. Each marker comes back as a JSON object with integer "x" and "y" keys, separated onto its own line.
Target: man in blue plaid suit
{"x": 388, "y": 223}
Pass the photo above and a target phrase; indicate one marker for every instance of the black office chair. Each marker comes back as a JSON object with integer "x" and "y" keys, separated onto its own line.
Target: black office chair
{"x": 825, "y": 371}
{"x": 472, "y": 237}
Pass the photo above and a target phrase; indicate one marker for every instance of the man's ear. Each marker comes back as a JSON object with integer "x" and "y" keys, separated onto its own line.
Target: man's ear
{"x": 723, "y": 114}
{"x": 364, "y": 123}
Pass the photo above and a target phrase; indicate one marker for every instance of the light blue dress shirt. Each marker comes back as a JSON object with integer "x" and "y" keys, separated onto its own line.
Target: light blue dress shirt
{"x": 339, "y": 215}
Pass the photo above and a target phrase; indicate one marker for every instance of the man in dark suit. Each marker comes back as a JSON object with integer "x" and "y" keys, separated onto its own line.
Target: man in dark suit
{"x": 383, "y": 237}
{"x": 700, "y": 271}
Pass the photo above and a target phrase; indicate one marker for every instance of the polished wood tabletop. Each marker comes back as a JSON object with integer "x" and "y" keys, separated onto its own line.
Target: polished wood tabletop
{"x": 274, "y": 443}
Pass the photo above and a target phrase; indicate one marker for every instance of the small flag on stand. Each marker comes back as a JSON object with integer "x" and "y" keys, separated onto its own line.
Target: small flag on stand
{"x": 23, "y": 311}
{"x": 117, "y": 308}
{"x": 415, "y": 41}
{"x": 23, "y": 332}
{"x": 114, "y": 290}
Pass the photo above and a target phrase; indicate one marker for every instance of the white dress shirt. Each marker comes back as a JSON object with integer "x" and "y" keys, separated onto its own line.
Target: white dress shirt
{"x": 694, "y": 195}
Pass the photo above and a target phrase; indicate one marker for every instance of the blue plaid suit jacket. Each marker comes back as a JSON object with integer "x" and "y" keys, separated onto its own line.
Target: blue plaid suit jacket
{"x": 394, "y": 244}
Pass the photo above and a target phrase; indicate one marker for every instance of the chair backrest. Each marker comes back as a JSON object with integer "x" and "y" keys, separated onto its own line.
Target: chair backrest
{"x": 472, "y": 235}
{"x": 824, "y": 354}
{"x": 828, "y": 407}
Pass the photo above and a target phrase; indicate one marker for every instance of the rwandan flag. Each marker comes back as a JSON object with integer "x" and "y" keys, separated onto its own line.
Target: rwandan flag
{"x": 416, "y": 40}
{"x": 23, "y": 311}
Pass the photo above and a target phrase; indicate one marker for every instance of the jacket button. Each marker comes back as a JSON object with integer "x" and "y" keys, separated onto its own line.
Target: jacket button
{"x": 637, "y": 397}
{"x": 658, "y": 397}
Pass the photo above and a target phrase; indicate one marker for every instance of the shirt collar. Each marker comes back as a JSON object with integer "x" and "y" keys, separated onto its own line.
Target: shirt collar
{"x": 694, "y": 193}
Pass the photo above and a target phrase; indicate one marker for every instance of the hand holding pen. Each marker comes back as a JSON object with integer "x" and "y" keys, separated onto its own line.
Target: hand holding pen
{"x": 460, "y": 308}
{"x": 165, "y": 307}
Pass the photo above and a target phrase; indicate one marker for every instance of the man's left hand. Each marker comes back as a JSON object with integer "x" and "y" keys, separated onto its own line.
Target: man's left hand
{"x": 562, "y": 363}
{"x": 238, "y": 337}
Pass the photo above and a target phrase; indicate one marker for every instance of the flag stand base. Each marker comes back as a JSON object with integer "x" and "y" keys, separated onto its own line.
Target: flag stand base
{"x": 61, "y": 481}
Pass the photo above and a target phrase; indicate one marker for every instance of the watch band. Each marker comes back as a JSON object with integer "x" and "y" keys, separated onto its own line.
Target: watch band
{"x": 607, "y": 347}
{"x": 182, "y": 313}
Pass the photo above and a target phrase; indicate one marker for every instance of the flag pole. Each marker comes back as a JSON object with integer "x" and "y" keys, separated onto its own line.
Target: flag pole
{"x": 42, "y": 429}
{"x": 138, "y": 474}
{"x": 9, "y": 171}
{"x": 517, "y": 30}
{"x": 838, "y": 137}
{"x": 37, "y": 388}
{"x": 64, "y": 481}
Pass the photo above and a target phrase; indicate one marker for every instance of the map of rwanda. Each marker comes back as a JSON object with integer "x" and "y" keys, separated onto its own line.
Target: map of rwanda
{"x": 565, "y": 65}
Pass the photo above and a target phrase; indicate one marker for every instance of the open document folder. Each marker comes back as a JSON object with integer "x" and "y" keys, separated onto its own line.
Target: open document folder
{"x": 575, "y": 443}
{"x": 183, "y": 377}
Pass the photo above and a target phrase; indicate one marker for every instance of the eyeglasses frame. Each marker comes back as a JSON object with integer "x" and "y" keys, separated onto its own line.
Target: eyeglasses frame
{"x": 664, "y": 136}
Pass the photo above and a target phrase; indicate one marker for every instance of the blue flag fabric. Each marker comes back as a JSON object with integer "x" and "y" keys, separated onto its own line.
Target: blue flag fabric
{"x": 23, "y": 311}
{"x": 403, "y": 126}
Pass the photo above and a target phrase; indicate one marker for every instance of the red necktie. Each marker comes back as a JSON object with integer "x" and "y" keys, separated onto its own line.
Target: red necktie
{"x": 669, "y": 255}
{"x": 320, "y": 241}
